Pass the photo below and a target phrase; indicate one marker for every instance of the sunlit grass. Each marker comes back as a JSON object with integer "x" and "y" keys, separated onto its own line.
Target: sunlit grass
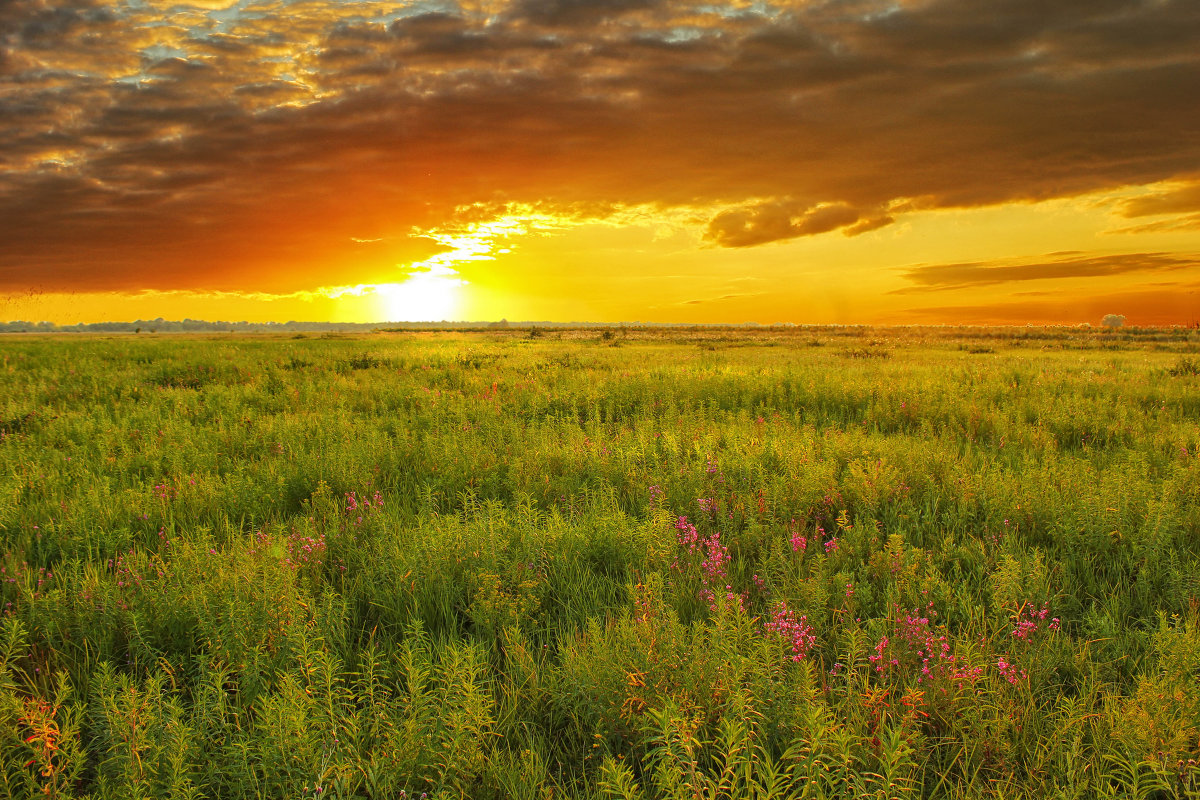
{"x": 823, "y": 562}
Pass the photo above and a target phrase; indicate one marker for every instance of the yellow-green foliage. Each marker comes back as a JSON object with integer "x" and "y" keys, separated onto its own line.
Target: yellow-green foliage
{"x": 828, "y": 562}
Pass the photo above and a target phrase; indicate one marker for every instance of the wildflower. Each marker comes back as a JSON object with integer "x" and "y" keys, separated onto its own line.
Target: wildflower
{"x": 877, "y": 659}
{"x": 799, "y": 542}
{"x": 1029, "y": 620}
{"x": 714, "y": 566}
{"x": 1010, "y": 672}
{"x": 796, "y": 631}
{"x": 687, "y": 535}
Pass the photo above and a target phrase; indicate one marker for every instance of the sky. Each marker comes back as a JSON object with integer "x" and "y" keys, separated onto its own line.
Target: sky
{"x": 815, "y": 161}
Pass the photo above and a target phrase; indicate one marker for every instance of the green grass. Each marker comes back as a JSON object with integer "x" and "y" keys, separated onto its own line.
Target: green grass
{"x": 915, "y": 563}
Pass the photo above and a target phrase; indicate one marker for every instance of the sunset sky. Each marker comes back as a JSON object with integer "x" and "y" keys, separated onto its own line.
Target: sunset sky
{"x": 847, "y": 161}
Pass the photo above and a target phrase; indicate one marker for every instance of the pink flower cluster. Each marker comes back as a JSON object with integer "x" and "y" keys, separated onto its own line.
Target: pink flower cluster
{"x": 360, "y": 505}
{"x": 1029, "y": 620}
{"x": 932, "y": 649}
{"x": 304, "y": 550}
{"x": 687, "y": 537}
{"x": 918, "y": 646}
{"x": 795, "y": 630}
{"x": 799, "y": 540}
{"x": 169, "y": 488}
{"x": 879, "y": 659}
{"x": 714, "y": 568}
{"x": 1010, "y": 672}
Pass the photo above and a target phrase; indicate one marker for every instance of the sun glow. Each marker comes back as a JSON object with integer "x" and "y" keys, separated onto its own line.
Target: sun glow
{"x": 431, "y": 295}
{"x": 433, "y": 290}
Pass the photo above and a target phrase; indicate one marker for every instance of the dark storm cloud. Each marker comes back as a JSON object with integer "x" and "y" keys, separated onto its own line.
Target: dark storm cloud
{"x": 576, "y": 12}
{"x": 937, "y": 277}
{"x": 177, "y": 148}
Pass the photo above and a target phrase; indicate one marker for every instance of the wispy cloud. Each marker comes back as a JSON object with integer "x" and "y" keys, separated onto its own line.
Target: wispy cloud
{"x": 941, "y": 277}
{"x": 1189, "y": 222}
{"x": 704, "y": 300}
{"x": 1156, "y": 306}
{"x": 1181, "y": 199}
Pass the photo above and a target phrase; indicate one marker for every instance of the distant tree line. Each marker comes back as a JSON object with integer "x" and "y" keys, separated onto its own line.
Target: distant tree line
{"x": 161, "y": 325}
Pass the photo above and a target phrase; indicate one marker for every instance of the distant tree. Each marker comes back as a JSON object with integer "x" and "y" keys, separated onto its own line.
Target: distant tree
{"x": 1113, "y": 320}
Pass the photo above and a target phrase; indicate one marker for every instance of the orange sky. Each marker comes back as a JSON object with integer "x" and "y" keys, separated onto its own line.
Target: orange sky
{"x": 853, "y": 161}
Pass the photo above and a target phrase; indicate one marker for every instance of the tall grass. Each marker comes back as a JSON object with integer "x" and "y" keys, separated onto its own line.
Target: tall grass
{"x": 811, "y": 563}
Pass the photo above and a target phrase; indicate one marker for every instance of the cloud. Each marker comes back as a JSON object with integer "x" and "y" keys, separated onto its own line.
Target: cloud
{"x": 1190, "y": 222}
{"x": 1140, "y": 307}
{"x": 575, "y": 12}
{"x": 776, "y": 220}
{"x": 1180, "y": 200}
{"x": 940, "y": 277}
{"x": 162, "y": 145}
{"x": 869, "y": 224}
{"x": 704, "y": 300}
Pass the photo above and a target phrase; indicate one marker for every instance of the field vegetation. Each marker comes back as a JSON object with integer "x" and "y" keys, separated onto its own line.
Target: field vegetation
{"x": 814, "y": 562}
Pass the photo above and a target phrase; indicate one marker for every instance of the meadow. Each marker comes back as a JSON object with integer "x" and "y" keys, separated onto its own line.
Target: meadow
{"x": 620, "y": 563}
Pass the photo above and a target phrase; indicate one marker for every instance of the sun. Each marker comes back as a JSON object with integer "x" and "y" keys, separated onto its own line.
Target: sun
{"x": 431, "y": 295}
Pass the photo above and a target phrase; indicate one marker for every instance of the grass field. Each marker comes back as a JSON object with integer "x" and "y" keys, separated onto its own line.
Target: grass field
{"x": 684, "y": 564}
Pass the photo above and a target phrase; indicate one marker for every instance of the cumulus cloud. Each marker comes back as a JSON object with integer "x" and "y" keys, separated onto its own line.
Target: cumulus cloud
{"x": 164, "y": 144}
{"x": 776, "y": 220}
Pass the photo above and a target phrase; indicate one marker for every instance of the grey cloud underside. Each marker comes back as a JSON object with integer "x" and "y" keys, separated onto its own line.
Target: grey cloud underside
{"x": 276, "y": 135}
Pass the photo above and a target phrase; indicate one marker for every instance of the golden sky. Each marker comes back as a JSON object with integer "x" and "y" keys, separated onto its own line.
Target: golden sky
{"x": 814, "y": 161}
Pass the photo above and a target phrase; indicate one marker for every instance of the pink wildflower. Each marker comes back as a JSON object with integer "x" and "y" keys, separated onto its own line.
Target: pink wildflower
{"x": 796, "y": 631}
